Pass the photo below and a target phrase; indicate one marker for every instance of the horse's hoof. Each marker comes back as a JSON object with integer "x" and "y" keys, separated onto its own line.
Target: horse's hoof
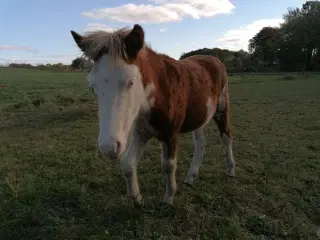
{"x": 231, "y": 172}
{"x": 168, "y": 200}
{"x": 188, "y": 181}
{"x": 136, "y": 202}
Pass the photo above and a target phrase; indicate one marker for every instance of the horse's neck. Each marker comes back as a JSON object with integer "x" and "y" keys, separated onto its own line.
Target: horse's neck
{"x": 165, "y": 73}
{"x": 157, "y": 58}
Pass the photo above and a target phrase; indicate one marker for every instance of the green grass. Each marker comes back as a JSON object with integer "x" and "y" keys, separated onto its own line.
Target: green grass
{"x": 55, "y": 185}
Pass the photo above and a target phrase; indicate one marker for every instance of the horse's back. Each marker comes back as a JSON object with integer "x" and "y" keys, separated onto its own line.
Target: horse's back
{"x": 212, "y": 64}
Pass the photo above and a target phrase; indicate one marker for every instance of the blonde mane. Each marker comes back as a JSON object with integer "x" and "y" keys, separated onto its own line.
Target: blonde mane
{"x": 111, "y": 42}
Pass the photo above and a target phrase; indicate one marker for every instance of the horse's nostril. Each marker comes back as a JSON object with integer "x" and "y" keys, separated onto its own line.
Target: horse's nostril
{"x": 112, "y": 149}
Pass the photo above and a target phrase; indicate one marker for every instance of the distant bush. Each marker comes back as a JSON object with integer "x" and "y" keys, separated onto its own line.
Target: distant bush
{"x": 288, "y": 77}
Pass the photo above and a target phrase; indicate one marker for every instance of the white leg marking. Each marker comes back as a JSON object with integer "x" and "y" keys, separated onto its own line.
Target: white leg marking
{"x": 129, "y": 164}
{"x": 230, "y": 160}
{"x": 199, "y": 143}
{"x": 169, "y": 166}
{"x": 211, "y": 109}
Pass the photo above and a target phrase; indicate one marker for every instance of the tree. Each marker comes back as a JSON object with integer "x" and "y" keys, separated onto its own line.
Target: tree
{"x": 77, "y": 63}
{"x": 233, "y": 60}
{"x": 81, "y": 63}
{"x": 237, "y": 62}
{"x": 301, "y": 31}
{"x": 264, "y": 45}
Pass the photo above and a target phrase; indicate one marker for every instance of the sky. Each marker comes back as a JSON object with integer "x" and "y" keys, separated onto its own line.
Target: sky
{"x": 38, "y": 31}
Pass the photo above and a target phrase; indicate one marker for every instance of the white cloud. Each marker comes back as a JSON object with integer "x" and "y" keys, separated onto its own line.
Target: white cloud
{"x": 16, "y": 48}
{"x": 163, "y": 11}
{"x": 98, "y": 26}
{"x": 163, "y": 30}
{"x": 237, "y": 39}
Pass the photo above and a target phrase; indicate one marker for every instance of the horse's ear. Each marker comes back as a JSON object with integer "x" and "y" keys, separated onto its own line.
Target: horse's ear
{"x": 134, "y": 41}
{"x": 79, "y": 40}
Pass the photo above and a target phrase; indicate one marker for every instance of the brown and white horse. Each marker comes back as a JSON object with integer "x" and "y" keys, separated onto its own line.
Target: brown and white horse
{"x": 143, "y": 94}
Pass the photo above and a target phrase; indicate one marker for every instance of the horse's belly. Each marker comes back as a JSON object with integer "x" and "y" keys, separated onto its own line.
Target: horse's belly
{"x": 198, "y": 115}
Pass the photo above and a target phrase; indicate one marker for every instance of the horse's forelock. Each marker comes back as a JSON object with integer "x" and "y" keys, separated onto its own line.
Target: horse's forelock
{"x": 112, "y": 42}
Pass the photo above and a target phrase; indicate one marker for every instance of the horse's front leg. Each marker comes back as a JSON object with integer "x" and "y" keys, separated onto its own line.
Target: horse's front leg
{"x": 129, "y": 164}
{"x": 169, "y": 166}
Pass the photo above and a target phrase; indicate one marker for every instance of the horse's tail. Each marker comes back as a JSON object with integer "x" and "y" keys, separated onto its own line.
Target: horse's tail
{"x": 222, "y": 119}
{"x": 222, "y": 115}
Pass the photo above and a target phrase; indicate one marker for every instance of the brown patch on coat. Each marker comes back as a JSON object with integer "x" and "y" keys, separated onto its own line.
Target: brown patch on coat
{"x": 182, "y": 90}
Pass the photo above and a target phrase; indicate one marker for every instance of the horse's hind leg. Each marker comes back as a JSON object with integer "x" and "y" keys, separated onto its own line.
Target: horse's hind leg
{"x": 199, "y": 143}
{"x": 222, "y": 119}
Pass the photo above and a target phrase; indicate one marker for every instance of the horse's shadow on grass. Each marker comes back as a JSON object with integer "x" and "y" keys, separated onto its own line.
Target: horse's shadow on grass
{"x": 104, "y": 211}
{"x": 177, "y": 219}
{"x": 134, "y": 221}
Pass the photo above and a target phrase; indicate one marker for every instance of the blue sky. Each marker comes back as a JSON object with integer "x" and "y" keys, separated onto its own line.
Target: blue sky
{"x": 39, "y": 31}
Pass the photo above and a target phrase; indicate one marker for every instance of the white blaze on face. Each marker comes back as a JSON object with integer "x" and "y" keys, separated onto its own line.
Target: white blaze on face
{"x": 120, "y": 95}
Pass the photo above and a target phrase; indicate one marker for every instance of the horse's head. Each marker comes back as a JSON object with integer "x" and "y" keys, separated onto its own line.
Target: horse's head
{"x": 117, "y": 82}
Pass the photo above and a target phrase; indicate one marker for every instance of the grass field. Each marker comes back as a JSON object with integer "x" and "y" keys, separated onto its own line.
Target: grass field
{"x": 55, "y": 185}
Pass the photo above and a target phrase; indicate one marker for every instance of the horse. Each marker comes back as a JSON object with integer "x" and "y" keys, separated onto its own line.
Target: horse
{"x": 143, "y": 94}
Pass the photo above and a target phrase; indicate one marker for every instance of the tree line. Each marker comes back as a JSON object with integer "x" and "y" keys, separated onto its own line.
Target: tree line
{"x": 55, "y": 66}
{"x": 77, "y": 64}
{"x": 293, "y": 46}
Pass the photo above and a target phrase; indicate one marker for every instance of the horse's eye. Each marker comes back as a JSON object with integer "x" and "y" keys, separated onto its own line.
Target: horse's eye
{"x": 130, "y": 84}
